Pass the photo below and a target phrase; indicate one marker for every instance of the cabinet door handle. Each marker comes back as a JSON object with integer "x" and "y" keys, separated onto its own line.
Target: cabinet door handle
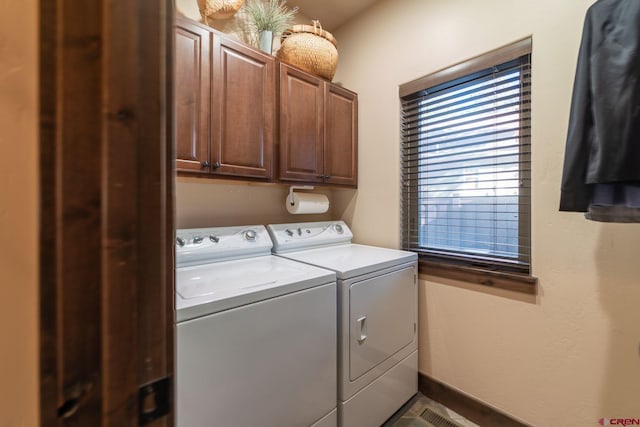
{"x": 216, "y": 165}
{"x": 205, "y": 164}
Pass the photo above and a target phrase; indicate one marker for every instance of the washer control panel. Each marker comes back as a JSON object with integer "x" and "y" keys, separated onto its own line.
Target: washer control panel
{"x": 308, "y": 235}
{"x": 205, "y": 245}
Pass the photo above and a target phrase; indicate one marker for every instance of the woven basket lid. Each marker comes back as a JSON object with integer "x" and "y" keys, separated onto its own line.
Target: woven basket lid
{"x": 312, "y": 29}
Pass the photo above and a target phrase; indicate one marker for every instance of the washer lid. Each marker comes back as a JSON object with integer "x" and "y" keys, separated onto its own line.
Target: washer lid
{"x": 352, "y": 260}
{"x": 210, "y": 288}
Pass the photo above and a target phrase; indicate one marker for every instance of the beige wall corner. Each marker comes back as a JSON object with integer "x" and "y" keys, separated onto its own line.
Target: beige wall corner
{"x": 570, "y": 356}
{"x": 19, "y": 213}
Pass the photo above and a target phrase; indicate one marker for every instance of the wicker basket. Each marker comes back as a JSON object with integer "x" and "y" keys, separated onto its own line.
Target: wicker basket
{"x": 311, "y": 49}
{"x": 221, "y": 9}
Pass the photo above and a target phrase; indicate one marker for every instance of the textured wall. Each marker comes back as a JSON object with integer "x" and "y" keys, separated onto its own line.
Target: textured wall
{"x": 211, "y": 203}
{"x": 571, "y": 355}
{"x": 18, "y": 213}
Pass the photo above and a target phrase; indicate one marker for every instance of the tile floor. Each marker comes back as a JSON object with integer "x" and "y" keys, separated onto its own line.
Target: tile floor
{"x": 409, "y": 415}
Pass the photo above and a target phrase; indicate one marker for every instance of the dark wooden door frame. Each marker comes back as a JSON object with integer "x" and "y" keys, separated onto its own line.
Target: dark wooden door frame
{"x": 107, "y": 203}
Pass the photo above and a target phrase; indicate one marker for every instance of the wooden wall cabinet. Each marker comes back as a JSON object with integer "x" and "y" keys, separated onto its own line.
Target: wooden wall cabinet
{"x": 318, "y": 130}
{"x": 192, "y": 95}
{"x": 301, "y": 126}
{"x": 244, "y": 110}
{"x": 340, "y": 135}
{"x": 227, "y": 114}
{"x": 225, "y": 106}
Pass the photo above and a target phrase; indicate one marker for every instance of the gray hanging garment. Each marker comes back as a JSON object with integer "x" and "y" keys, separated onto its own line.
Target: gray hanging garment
{"x": 603, "y": 140}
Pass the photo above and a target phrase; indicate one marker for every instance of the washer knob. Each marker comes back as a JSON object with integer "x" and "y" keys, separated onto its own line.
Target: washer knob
{"x": 214, "y": 239}
{"x": 289, "y": 232}
{"x": 250, "y": 235}
{"x": 180, "y": 241}
{"x": 197, "y": 240}
{"x": 338, "y": 228}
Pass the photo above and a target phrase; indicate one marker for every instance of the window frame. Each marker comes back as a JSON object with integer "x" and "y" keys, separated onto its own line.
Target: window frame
{"x": 492, "y": 274}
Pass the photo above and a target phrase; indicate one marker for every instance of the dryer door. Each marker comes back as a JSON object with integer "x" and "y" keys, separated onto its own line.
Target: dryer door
{"x": 382, "y": 318}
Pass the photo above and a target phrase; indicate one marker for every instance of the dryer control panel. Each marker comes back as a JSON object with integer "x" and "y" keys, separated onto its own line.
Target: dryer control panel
{"x": 308, "y": 235}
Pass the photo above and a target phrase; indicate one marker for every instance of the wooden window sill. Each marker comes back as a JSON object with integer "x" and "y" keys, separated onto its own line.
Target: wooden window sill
{"x": 494, "y": 279}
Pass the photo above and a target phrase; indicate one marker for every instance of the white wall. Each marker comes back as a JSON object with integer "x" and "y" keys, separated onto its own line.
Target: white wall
{"x": 19, "y": 213}
{"x": 571, "y": 355}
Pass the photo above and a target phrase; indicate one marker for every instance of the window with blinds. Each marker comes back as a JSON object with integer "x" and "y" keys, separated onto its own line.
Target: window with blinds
{"x": 466, "y": 162}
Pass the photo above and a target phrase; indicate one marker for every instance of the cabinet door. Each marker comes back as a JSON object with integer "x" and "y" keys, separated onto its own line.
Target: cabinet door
{"x": 244, "y": 93}
{"x": 341, "y": 136}
{"x": 301, "y": 126}
{"x": 192, "y": 95}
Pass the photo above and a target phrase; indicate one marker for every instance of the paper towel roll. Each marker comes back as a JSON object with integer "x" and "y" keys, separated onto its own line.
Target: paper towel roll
{"x": 305, "y": 203}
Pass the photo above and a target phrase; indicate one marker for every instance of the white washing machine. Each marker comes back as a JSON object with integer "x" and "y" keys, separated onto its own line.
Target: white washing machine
{"x": 256, "y": 333}
{"x": 377, "y": 308}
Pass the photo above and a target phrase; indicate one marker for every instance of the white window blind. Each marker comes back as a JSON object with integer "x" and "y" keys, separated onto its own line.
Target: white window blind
{"x": 466, "y": 168}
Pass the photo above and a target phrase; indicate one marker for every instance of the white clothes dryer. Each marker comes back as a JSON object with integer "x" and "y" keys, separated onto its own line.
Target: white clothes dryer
{"x": 377, "y": 308}
{"x": 256, "y": 333}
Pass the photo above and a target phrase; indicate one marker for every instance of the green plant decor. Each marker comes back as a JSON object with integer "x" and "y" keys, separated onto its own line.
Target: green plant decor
{"x": 269, "y": 15}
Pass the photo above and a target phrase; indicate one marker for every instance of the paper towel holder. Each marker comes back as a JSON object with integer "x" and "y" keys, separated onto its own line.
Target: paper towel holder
{"x": 297, "y": 187}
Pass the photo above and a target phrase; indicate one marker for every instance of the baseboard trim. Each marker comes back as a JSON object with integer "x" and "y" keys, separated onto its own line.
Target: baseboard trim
{"x": 470, "y": 408}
